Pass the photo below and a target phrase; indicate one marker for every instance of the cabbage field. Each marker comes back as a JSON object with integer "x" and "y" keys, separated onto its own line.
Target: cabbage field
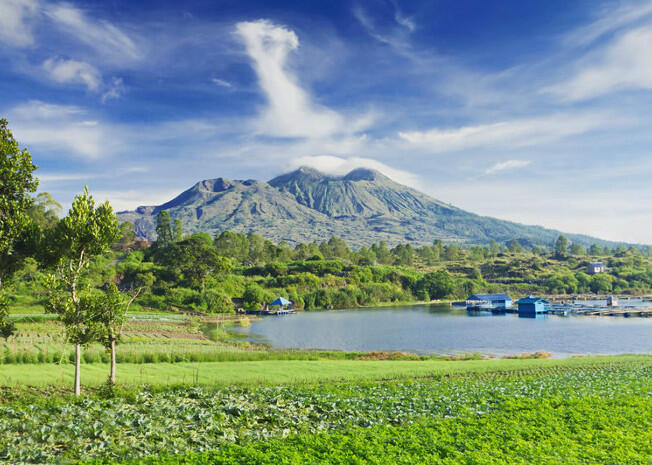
{"x": 592, "y": 414}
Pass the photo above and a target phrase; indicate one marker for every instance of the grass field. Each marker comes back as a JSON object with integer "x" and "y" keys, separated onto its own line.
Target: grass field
{"x": 286, "y": 371}
{"x": 589, "y": 411}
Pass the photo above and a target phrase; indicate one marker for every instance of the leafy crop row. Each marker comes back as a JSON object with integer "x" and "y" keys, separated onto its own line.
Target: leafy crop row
{"x": 201, "y": 419}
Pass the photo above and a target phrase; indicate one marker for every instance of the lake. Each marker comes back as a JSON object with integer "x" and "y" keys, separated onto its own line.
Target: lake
{"x": 442, "y": 329}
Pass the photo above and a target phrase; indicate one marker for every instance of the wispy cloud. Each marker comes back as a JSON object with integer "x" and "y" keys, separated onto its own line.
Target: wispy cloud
{"x": 15, "y": 27}
{"x": 105, "y": 38}
{"x": 609, "y": 20}
{"x": 115, "y": 90}
{"x": 507, "y": 165}
{"x": 65, "y": 177}
{"x": 506, "y": 134}
{"x": 395, "y": 35}
{"x": 73, "y": 71}
{"x": 291, "y": 111}
{"x": 58, "y": 127}
{"x": 623, "y": 63}
{"x": 221, "y": 83}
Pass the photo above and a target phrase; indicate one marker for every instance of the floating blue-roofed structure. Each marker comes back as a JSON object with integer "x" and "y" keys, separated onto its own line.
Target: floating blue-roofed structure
{"x": 532, "y": 305}
{"x": 281, "y": 302}
{"x": 489, "y": 302}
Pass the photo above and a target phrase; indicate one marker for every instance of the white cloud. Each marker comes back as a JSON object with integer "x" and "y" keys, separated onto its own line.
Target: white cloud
{"x": 221, "y": 82}
{"x": 340, "y": 166}
{"x": 15, "y": 29}
{"x": 625, "y": 63}
{"x": 115, "y": 90}
{"x": 291, "y": 111}
{"x": 104, "y": 38}
{"x": 507, "y": 165}
{"x": 73, "y": 71}
{"x": 506, "y": 134}
{"x": 40, "y": 125}
{"x": 609, "y": 20}
{"x": 52, "y": 178}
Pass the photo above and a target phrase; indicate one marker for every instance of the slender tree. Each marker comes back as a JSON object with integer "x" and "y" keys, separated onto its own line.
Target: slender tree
{"x": 177, "y": 233}
{"x": 111, "y": 307}
{"x": 85, "y": 233}
{"x": 16, "y": 184}
{"x": 163, "y": 229}
{"x": 561, "y": 247}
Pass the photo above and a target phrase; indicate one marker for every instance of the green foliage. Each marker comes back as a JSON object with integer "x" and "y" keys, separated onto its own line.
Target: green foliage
{"x": 437, "y": 285}
{"x": 127, "y": 234}
{"x": 16, "y": 185}
{"x": 600, "y": 414}
{"x": 561, "y": 247}
{"x": 177, "y": 233}
{"x": 217, "y": 301}
{"x": 44, "y": 210}
{"x": 163, "y": 229}
{"x": 254, "y": 297}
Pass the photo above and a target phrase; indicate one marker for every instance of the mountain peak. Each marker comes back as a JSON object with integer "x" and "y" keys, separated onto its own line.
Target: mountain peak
{"x": 364, "y": 174}
{"x": 312, "y": 174}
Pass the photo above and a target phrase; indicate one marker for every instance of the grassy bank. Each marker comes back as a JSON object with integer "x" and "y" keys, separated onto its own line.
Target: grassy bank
{"x": 289, "y": 371}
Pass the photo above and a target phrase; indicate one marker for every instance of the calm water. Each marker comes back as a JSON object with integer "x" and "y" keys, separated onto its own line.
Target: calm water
{"x": 442, "y": 329}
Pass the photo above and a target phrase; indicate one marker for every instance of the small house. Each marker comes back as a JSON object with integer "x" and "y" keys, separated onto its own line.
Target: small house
{"x": 612, "y": 301}
{"x": 596, "y": 267}
{"x": 496, "y": 301}
{"x": 531, "y": 305}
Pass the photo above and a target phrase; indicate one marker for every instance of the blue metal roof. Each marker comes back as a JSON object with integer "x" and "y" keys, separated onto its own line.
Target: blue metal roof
{"x": 489, "y": 297}
{"x": 531, "y": 300}
{"x": 597, "y": 264}
{"x": 281, "y": 301}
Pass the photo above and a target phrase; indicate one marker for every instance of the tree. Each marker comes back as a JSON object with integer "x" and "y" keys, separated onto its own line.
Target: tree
{"x": 601, "y": 283}
{"x": 451, "y": 252}
{"x": 577, "y": 249}
{"x": 192, "y": 260}
{"x": 253, "y": 296}
{"x": 111, "y": 307}
{"x": 85, "y": 233}
{"x": 178, "y": 230}
{"x": 163, "y": 229}
{"x": 16, "y": 184}
{"x": 382, "y": 253}
{"x": 561, "y": 247}
{"x": 44, "y": 210}
{"x": 127, "y": 234}
{"x": 514, "y": 246}
{"x": 595, "y": 250}
{"x": 217, "y": 301}
{"x": 233, "y": 245}
{"x": 494, "y": 248}
{"x": 436, "y": 285}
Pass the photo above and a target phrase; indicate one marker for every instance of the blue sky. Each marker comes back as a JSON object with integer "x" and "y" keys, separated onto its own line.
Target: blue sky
{"x": 538, "y": 112}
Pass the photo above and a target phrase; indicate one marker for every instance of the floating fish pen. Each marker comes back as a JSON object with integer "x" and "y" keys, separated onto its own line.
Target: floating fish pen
{"x": 280, "y": 311}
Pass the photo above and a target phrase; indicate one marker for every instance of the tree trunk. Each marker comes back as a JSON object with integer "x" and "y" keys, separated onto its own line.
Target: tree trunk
{"x": 77, "y": 369}
{"x": 112, "y": 373}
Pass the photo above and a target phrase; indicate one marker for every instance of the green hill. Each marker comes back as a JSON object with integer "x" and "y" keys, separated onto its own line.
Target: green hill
{"x": 362, "y": 207}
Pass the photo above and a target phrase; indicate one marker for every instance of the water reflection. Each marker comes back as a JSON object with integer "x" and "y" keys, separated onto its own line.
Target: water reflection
{"x": 442, "y": 329}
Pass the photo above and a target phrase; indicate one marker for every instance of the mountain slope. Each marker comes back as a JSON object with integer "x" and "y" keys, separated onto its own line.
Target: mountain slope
{"x": 305, "y": 205}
